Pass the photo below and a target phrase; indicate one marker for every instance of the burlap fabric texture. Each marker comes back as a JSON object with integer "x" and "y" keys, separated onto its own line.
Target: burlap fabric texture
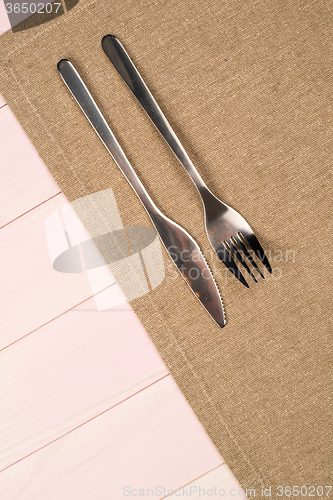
{"x": 248, "y": 88}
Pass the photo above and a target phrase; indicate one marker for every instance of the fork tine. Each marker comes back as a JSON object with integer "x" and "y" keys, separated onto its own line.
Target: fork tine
{"x": 224, "y": 255}
{"x": 255, "y": 245}
{"x": 248, "y": 255}
{"x": 240, "y": 258}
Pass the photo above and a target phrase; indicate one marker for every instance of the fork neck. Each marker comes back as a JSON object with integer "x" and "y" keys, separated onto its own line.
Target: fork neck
{"x": 187, "y": 164}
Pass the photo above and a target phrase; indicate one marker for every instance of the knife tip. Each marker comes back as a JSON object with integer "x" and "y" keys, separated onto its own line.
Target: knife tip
{"x": 221, "y": 321}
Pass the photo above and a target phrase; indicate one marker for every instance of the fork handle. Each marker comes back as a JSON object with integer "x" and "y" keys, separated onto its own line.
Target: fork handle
{"x": 125, "y": 67}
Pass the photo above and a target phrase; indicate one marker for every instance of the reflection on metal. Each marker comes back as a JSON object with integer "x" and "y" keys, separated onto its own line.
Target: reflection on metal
{"x": 88, "y": 236}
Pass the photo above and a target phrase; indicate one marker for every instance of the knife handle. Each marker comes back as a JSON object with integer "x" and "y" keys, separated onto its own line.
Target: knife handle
{"x": 125, "y": 67}
{"x": 86, "y": 102}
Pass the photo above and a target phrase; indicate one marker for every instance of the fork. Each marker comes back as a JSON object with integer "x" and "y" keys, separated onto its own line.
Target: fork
{"x": 228, "y": 232}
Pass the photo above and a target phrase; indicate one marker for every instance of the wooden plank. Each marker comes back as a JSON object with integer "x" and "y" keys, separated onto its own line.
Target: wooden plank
{"x": 151, "y": 440}
{"x": 218, "y": 483}
{"x": 4, "y": 21}
{"x": 32, "y": 292}
{"x": 73, "y": 369}
{"x": 25, "y": 181}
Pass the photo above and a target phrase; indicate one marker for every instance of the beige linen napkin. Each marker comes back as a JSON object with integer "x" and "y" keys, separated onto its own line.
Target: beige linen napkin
{"x": 248, "y": 88}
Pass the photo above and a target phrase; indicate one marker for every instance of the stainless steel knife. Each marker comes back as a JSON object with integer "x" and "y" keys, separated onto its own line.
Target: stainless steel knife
{"x": 181, "y": 247}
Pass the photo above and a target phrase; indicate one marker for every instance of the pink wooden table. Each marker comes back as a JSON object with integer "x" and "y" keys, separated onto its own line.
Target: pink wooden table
{"x": 88, "y": 409}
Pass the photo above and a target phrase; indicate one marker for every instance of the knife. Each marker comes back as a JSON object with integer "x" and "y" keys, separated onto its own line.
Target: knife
{"x": 181, "y": 247}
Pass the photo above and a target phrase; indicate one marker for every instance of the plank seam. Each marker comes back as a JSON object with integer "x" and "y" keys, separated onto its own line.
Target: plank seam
{"x": 56, "y": 317}
{"x": 30, "y": 210}
{"x": 84, "y": 423}
{"x": 196, "y": 479}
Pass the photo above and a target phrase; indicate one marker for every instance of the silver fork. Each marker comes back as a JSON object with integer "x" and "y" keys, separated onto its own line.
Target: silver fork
{"x": 228, "y": 232}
